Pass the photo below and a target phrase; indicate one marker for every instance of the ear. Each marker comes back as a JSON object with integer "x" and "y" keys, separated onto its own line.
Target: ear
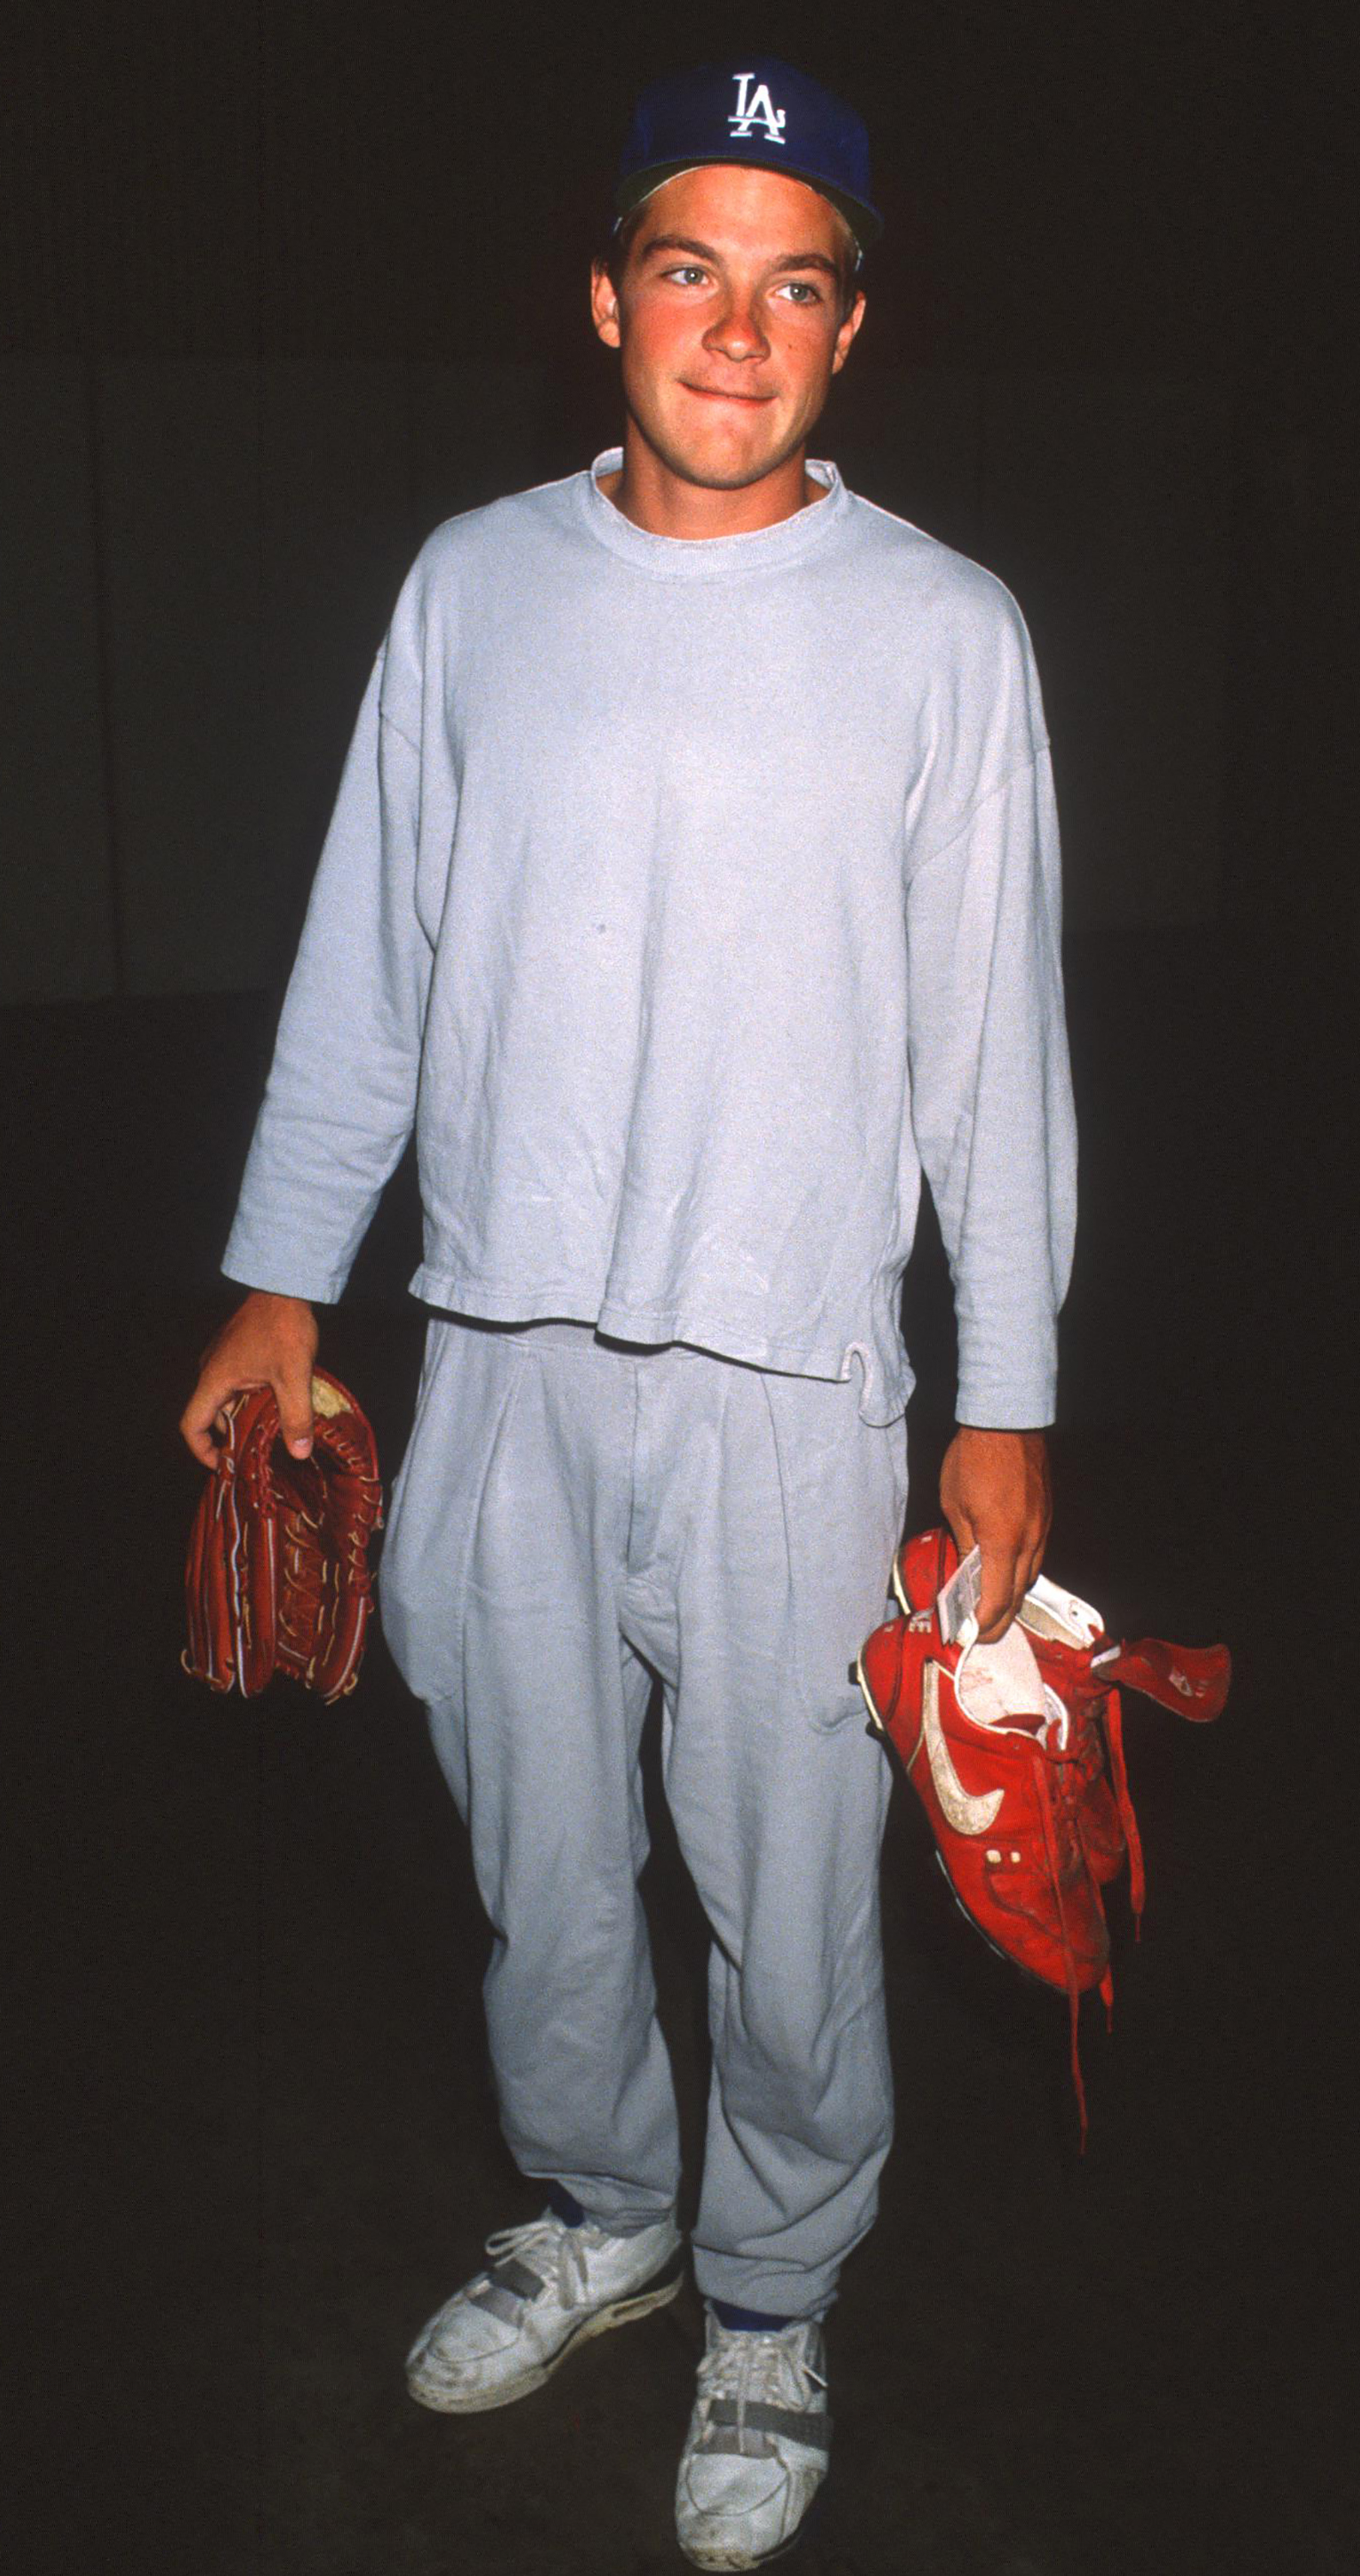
{"x": 846, "y": 334}
{"x": 604, "y": 306}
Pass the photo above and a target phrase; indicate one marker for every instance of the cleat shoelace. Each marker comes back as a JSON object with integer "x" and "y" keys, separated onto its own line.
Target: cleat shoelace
{"x": 1086, "y": 1827}
{"x": 1067, "y": 1759}
{"x": 1063, "y": 1775}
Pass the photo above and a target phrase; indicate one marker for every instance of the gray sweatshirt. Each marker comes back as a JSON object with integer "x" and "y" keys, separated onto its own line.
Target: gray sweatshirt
{"x": 689, "y": 897}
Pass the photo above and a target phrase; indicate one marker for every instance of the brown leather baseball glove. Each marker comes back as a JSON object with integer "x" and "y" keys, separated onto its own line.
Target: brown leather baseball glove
{"x": 277, "y": 1576}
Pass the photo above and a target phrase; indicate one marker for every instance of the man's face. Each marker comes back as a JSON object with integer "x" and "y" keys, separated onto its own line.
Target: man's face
{"x": 728, "y": 321}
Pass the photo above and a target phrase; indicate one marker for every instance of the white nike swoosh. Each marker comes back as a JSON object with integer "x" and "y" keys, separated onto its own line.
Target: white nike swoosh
{"x": 967, "y": 1813}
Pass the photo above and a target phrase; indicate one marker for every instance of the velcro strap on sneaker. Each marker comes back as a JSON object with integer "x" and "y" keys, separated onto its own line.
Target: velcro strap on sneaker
{"x": 516, "y": 2277}
{"x": 498, "y": 2303}
{"x": 789, "y": 2422}
{"x": 505, "y": 2289}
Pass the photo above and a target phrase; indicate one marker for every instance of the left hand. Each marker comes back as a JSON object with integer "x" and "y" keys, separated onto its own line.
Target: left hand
{"x": 996, "y": 1493}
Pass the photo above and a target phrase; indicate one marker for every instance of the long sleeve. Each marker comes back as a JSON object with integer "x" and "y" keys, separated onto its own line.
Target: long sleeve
{"x": 991, "y": 1091}
{"x": 341, "y": 1096}
{"x": 547, "y": 889}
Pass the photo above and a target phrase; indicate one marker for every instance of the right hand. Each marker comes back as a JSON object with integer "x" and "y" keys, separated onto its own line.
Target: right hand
{"x": 269, "y": 1341}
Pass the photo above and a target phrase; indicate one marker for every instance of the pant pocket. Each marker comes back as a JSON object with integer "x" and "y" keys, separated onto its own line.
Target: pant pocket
{"x": 469, "y": 1383}
{"x": 843, "y": 1489}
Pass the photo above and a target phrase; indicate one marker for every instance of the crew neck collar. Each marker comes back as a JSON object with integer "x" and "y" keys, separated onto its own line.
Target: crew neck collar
{"x": 712, "y": 558}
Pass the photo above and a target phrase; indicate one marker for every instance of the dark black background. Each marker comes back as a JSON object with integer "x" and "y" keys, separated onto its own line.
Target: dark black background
{"x": 253, "y": 2140}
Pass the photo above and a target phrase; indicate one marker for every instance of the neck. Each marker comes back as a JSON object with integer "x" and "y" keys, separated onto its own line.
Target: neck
{"x": 646, "y": 491}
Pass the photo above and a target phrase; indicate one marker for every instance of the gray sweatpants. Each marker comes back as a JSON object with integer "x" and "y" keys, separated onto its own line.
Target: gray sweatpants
{"x": 571, "y": 1516}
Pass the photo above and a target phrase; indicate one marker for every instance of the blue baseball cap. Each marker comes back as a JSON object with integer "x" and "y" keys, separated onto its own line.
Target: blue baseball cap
{"x": 755, "y": 111}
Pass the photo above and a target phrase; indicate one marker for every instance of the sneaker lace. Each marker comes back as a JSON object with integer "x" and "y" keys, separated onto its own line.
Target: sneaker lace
{"x": 1096, "y": 1705}
{"x": 1052, "y": 1854}
{"x": 755, "y": 2369}
{"x": 547, "y": 2247}
{"x": 1059, "y": 1756}
{"x": 1061, "y": 1770}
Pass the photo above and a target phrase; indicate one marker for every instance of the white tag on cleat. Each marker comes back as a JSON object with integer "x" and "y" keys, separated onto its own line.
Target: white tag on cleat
{"x": 958, "y": 1603}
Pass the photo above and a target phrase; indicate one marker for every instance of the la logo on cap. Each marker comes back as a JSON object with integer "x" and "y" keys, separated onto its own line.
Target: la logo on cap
{"x": 758, "y": 110}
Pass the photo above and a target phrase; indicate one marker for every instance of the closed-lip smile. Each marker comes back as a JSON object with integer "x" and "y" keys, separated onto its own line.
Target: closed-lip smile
{"x": 716, "y": 393}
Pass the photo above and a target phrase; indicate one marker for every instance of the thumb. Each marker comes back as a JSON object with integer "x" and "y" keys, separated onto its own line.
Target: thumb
{"x": 294, "y": 1397}
{"x": 959, "y": 1523}
{"x": 997, "y": 1597}
{"x": 953, "y": 1509}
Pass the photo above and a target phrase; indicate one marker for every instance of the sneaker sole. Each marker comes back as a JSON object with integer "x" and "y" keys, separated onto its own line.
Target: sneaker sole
{"x": 807, "y": 2529}
{"x": 620, "y": 2312}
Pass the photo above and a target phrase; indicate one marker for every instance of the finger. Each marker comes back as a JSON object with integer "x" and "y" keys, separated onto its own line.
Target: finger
{"x": 1000, "y": 1595}
{"x": 202, "y": 1416}
{"x": 205, "y": 1413}
{"x": 293, "y": 1394}
{"x": 1029, "y": 1563}
{"x": 952, "y": 1509}
{"x": 960, "y": 1525}
{"x": 199, "y": 1445}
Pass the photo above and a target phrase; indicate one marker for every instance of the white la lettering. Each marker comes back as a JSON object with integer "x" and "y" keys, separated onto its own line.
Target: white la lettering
{"x": 760, "y": 109}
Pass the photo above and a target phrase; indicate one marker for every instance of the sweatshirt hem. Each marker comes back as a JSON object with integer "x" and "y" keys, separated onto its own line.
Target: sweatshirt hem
{"x": 883, "y": 1386}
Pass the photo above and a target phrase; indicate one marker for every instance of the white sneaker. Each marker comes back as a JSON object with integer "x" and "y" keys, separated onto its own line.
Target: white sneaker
{"x": 757, "y": 2447}
{"x": 548, "y": 2288}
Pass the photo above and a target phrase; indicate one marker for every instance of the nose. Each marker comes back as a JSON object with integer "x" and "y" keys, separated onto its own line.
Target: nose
{"x": 736, "y": 332}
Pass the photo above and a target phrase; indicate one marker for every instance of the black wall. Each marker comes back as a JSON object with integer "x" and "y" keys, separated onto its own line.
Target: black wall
{"x": 284, "y": 285}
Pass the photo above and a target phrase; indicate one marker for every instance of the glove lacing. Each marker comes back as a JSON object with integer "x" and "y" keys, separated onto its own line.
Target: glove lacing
{"x": 306, "y": 1491}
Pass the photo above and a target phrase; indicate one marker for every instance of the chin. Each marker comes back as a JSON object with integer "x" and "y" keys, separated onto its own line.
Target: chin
{"x": 719, "y": 468}
{"x": 723, "y": 478}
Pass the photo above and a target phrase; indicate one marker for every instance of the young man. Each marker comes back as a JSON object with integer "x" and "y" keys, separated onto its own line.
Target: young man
{"x": 693, "y": 884}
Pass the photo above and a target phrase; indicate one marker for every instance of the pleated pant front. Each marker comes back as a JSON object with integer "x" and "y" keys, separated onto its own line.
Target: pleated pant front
{"x": 571, "y": 1517}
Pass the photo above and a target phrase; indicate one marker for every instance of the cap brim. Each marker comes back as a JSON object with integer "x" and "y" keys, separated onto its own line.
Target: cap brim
{"x": 865, "y": 224}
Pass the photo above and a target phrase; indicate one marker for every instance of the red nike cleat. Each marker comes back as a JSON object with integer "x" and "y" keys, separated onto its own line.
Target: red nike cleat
{"x": 1016, "y": 1753}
